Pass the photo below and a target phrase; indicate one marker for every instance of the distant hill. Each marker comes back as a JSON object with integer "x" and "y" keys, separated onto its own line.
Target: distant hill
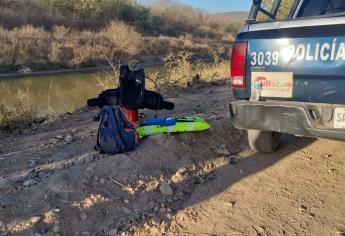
{"x": 230, "y": 17}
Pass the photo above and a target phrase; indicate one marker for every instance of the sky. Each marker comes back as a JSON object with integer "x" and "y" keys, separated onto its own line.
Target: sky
{"x": 220, "y": 5}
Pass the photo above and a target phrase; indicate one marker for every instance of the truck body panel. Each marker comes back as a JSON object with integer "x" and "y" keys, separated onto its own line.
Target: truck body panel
{"x": 299, "y": 63}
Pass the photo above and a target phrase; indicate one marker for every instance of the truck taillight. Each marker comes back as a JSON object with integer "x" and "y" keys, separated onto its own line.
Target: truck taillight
{"x": 238, "y": 65}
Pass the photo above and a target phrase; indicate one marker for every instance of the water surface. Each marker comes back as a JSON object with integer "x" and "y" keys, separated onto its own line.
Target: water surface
{"x": 52, "y": 93}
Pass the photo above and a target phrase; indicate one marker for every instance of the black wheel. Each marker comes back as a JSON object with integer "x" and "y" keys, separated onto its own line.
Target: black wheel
{"x": 263, "y": 141}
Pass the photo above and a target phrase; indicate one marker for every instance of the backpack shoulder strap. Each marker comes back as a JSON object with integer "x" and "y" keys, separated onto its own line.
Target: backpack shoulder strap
{"x": 118, "y": 128}
{"x": 98, "y": 145}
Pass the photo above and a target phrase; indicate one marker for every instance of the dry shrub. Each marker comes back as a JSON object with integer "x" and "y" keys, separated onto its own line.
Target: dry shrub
{"x": 218, "y": 70}
{"x": 60, "y": 32}
{"x": 39, "y": 49}
{"x": 23, "y": 114}
{"x": 108, "y": 81}
{"x": 180, "y": 71}
{"x": 165, "y": 45}
{"x": 180, "y": 68}
{"x": 123, "y": 37}
{"x": 29, "y": 31}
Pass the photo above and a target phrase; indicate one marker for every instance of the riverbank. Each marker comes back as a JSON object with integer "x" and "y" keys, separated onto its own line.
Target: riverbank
{"x": 30, "y": 100}
{"x": 146, "y": 64}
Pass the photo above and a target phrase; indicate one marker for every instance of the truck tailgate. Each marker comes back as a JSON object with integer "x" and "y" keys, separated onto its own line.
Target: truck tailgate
{"x": 300, "y": 60}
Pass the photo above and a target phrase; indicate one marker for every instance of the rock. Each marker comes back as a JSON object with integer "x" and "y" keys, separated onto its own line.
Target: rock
{"x": 260, "y": 230}
{"x": 126, "y": 201}
{"x": 113, "y": 232}
{"x": 83, "y": 216}
{"x": 231, "y": 204}
{"x": 35, "y": 219}
{"x": 73, "y": 131}
{"x": 223, "y": 151}
{"x": 86, "y": 233}
{"x": 165, "y": 189}
{"x": 33, "y": 162}
{"x": 69, "y": 139}
{"x": 302, "y": 208}
{"x": 89, "y": 172}
{"x": 162, "y": 210}
{"x": 54, "y": 141}
{"x": 179, "y": 176}
{"x": 7, "y": 185}
{"x": 29, "y": 182}
{"x": 126, "y": 210}
{"x": 59, "y": 137}
{"x": 155, "y": 221}
{"x": 56, "y": 229}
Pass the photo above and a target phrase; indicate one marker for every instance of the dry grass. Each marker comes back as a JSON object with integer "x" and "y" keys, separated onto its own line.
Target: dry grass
{"x": 123, "y": 37}
{"x": 181, "y": 71}
{"x": 29, "y": 48}
{"x": 23, "y": 114}
{"x": 60, "y": 34}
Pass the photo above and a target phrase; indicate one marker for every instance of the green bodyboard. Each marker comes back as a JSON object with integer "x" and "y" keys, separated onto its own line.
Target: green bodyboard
{"x": 183, "y": 125}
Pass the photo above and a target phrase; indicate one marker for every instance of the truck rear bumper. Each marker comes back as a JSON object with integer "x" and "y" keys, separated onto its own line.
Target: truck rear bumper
{"x": 298, "y": 118}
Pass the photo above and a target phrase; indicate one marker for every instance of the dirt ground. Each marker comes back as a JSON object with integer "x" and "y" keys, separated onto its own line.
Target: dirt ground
{"x": 209, "y": 183}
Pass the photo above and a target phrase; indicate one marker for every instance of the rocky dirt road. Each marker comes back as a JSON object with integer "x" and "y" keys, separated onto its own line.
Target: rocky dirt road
{"x": 53, "y": 183}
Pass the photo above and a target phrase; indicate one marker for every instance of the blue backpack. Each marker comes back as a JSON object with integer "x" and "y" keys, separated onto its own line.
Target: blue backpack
{"x": 116, "y": 134}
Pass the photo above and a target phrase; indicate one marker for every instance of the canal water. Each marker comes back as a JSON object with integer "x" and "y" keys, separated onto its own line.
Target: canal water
{"x": 52, "y": 93}
{"x": 58, "y": 93}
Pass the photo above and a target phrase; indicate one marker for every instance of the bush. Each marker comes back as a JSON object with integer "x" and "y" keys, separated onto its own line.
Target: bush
{"x": 180, "y": 71}
{"x": 23, "y": 114}
{"x": 123, "y": 38}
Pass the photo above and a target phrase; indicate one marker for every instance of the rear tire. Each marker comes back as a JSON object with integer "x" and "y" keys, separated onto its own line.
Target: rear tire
{"x": 263, "y": 141}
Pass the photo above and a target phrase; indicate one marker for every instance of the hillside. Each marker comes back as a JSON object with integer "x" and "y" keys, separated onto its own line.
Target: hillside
{"x": 43, "y": 35}
{"x": 229, "y": 17}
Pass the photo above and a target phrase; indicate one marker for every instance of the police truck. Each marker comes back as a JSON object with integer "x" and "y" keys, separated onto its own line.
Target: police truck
{"x": 288, "y": 71}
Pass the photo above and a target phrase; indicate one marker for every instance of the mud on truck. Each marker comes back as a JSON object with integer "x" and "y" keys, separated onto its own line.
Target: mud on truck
{"x": 288, "y": 71}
